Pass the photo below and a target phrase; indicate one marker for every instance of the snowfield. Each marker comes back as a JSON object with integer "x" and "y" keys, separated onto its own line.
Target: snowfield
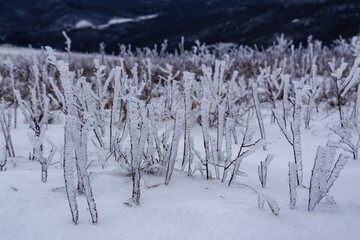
{"x": 187, "y": 208}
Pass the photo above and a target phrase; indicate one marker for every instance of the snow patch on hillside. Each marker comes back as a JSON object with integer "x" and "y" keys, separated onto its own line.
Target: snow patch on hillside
{"x": 87, "y": 24}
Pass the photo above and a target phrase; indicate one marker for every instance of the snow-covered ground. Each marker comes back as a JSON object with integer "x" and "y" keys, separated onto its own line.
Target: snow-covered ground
{"x": 187, "y": 208}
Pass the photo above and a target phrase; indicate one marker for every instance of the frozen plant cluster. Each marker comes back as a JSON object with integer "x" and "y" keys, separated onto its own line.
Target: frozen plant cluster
{"x": 141, "y": 106}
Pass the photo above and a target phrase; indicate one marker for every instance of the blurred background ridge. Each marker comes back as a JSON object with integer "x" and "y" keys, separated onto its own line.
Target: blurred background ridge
{"x": 147, "y": 22}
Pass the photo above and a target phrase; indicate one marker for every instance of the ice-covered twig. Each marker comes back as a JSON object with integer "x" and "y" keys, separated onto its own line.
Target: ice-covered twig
{"x": 247, "y": 147}
{"x": 262, "y": 169}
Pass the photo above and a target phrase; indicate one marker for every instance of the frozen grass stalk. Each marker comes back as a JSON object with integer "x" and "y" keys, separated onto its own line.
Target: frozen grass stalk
{"x": 188, "y": 81}
{"x": 262, "y": 169}
{"x": 205, "y": 108}
{"x": 292, "y": 184}
{"x": 179, "y": 120}
{"x": 258, "y": 112}
{"x": 75, "y": 146}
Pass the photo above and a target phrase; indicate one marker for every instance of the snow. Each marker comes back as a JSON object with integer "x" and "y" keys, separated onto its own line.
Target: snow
{"x": 189, "y": 207}
{"x": 83, "y": 23}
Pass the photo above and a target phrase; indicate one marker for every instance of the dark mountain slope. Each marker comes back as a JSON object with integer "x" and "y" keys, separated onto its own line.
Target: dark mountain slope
{"x": 146, "y": 22}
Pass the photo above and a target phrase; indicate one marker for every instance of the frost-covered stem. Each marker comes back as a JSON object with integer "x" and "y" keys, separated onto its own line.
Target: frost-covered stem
{"x": 251, "y": 147}
{"x": 44, "y": 174}
{"x": 145, "y": 127}
{"x": 231, "y": 115}
{"x": 75, "y": 145}
{"x": 179, "y": 120}
{"x": 345, "y": 136}
{"x": 313, "y": 90}
{"x": 5, "y": 122}
{"x": 136, "y": 175}
{"x": 281, "y": 123}
{"x": 285, "y": 101}
{"x": 237, "y": 160}
{"x": 170, "y": 84}
{"x": 228, "y": 144}
{"x": 357, "y": 105}
{"x": 111, "y": 142}
{"x": 138, "y": 140}
{"x": 296, "y": 128}
{"x": 353, "y": 149}
{"x": 219, "y": 75}
{"x": 258, "y": 112}
{"x": 3, "y": 161}
{"x": 352, "y": 78}
{"x": 37, "y": 116}
{"x": 188, "y": 80}
{"x": 133, "y": 116}
{"x": 165, "y": 145}
{"x": 214, "y": 158}
{"x": 70, "y": 139}
{"x": 80, "y": 183}
{"x": 343, "y": 84}
{"x": 81, "y": 161}
{"x": 355, "y": 154}
{"x": 220, "y": 132}
{"x": 37, "y": 142}
{"x": 9, "y": 139}
{"x": 154, "y": 133}
{"x": 339, "y": 100}
{"x": 205, "y": 107}
{"x": 218, "y": 156}
{"x": 12, "y": 79}
{"x": 262, "y": 169}
{"x": 246, "y": 143}
{"x": 115, "y": 101}
{"x": 45, "y": 163}
{"x": 101, "y": 91}
{"x": 98, "y": 137}
{"x": 272, "y": 77}
{"x": 150, "y": 151}
{"x": 216, "y": 82}
{"x": 68, "y": 163}
{"x": 309, "y": 110}
{"x": 292, "y": 184}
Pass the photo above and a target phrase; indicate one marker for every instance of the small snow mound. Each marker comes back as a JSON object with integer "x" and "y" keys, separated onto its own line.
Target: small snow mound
{"x": 83, "y": 24}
